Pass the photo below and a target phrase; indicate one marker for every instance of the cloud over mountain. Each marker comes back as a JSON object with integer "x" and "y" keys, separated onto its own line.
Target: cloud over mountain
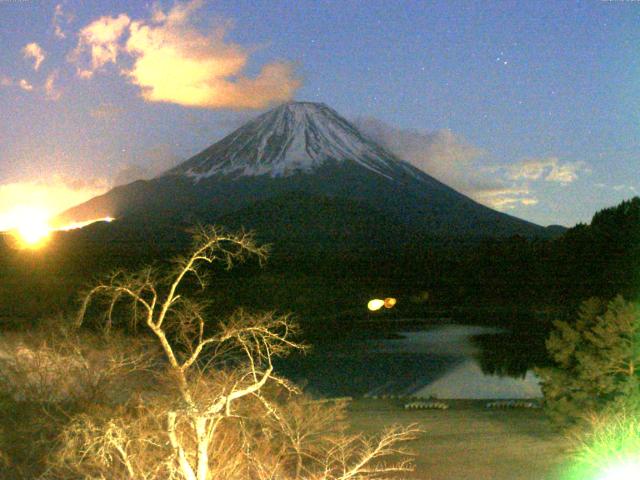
{"x": 469, "y": 169}
{"x": 174, "y": 62}
{"x": 153, "y": 162}
{"x": 452, "y": 160}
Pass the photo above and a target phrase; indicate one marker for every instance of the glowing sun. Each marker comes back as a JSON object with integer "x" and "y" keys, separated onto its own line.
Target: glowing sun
{"x": 33, "y": 234}
{"x": 31, "y": 227}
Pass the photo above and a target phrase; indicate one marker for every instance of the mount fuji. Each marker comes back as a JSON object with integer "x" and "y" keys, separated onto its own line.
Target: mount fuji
{"x": 303, "y": 173}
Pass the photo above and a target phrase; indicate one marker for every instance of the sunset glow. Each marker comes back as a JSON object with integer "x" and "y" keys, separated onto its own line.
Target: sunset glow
{"x": 31, "y": 228}
{"x": 27, "y": 208}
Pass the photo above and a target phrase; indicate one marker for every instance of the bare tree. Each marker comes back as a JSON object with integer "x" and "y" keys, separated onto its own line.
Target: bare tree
{"x": 220, "y": 411}
{"x": 57, "y": 363}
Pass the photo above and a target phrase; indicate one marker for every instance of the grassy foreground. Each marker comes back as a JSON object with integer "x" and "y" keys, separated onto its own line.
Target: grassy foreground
{"x": 470, "y": 442}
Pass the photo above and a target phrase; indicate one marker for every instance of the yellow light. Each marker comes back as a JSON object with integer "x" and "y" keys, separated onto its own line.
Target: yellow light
{"x": 31, "y": 228}
{"x": 629, "y": 470}
{"x": 76, "y": 225}
{"x": 375, "y": 304}
{"x": 390, "y": 302}
{"x": 32, "y": 231}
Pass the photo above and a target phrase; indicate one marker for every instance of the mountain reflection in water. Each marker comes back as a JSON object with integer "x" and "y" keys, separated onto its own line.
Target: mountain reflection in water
{"x": 509, "y": 354}
{"x": 448, "y": 361}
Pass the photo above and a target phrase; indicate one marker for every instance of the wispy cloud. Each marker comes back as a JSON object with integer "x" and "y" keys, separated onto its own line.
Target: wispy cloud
{"x": 174, "y": 62}
{"x": 549, "y": 169}
{"x": 24, "y": 84}
{"x": 106, "y": 111}
{"x": 437, "y": 152}
{"x": 153, "y": 162}
{"x": 33, "y": 51}
{"x": 51, "y": 90}
{"x": 452, "y": 160}
{"x": 60, "y": 18}
{"x": 621, "y": 187}
{"x": 625, "y": 188}
{"x": 506, "y": 198}
{"x": 98, "y": 44}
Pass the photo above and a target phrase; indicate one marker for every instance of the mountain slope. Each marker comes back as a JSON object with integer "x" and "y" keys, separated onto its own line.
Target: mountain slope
{"x": 295, "y": 150}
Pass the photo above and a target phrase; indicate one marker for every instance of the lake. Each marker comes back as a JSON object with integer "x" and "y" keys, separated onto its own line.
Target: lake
{"x": 444, "y": 361}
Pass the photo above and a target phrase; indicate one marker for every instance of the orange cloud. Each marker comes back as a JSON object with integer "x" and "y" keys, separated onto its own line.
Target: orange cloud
{"x": 25, "y": 85}
{"x": 550, "y": 169}
{"x": 60, "y": 17}
{"x": 34, "y": 51}
{"x": 507, "y": 198}
{"x": 176, "y": 63}
{"x": 100, "y": 42}
{"x": 50, "y": 89}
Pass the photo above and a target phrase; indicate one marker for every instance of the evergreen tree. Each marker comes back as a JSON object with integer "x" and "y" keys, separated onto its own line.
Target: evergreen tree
{"x": 602, "y": 258}
{"x": 597, "y": 360}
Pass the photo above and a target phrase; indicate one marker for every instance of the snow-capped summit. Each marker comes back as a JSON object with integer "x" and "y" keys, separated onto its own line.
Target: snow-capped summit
{"x": 294, "y": 137}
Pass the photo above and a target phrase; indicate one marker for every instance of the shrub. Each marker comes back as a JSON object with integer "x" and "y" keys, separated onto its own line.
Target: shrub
{"x": 596, "y": 360}
{"x": 609, "y": 444}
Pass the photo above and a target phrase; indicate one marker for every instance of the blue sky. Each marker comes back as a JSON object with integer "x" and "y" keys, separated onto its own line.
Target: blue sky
{"x": 529, "y": 107}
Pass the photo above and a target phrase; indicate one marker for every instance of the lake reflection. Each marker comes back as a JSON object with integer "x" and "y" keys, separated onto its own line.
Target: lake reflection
{"x": 443, "y": 362}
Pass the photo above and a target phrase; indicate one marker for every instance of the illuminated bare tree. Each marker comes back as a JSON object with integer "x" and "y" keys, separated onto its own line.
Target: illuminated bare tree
{"x": 218, "y": 409}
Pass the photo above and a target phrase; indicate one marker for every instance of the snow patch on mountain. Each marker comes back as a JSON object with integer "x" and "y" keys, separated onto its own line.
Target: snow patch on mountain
{"x": 295, "y": 137}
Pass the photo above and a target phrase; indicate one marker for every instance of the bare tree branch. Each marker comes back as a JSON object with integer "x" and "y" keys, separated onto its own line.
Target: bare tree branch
{"x": 216, "y": 412}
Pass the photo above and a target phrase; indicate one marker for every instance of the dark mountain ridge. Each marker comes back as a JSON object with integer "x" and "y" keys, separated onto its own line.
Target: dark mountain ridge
{"x": 303, "y": 149}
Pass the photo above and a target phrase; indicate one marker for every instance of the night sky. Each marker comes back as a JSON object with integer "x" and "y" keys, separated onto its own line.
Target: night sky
{"x": 529, "y": 107}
